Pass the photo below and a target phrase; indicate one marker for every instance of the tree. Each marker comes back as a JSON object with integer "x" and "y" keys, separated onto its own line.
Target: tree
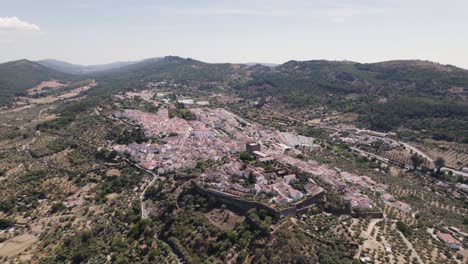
{"x": 245, "y": 156}
{"x": 439, "y": 163}
{"x": 57, "y": 207}
{"x": 416, "y": 160}
{"x": 406, "y": 230}
{"x": 6, "y": 223}
{"x": 252, "y": 179}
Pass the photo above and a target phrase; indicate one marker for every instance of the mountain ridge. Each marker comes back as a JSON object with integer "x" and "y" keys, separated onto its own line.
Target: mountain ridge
{"x": 51, "y": 63}
{"x": 18, "y": 76}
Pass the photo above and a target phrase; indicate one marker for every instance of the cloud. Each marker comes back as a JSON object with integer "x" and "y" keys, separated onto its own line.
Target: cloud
{"x": 15, "y": 24}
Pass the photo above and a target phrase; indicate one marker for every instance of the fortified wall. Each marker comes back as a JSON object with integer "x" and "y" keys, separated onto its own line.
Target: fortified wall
{"x": 246, "y": 205}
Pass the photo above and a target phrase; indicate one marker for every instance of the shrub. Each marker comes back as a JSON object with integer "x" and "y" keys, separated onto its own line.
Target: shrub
{"x": 6, "y": 223}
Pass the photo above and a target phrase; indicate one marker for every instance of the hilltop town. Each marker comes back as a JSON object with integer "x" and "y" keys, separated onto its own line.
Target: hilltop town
{"x": 256, "y": 166}
{"x": 164, "y": 170}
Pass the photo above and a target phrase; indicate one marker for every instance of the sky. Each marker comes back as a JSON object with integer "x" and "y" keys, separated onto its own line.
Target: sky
{"x": 269, "y": 31}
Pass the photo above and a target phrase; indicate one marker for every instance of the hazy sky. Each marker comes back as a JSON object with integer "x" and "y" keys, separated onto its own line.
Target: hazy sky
{"x": 102, "y": 31}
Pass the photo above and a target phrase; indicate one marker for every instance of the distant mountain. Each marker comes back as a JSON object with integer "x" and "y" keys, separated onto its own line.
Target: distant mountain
{"x": 82, "y": 69}
{"x": 409, "y": 95}
{"x": 18, "y": 76}
{"x": 387, "y": 96}
{"x": 261, "y": 63}
{"x": 174, "y": 67}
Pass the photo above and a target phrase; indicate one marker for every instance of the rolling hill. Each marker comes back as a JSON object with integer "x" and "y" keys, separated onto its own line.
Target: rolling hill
{"x": 82, "y": 69}
{"x": 18, "y": 76}
{"x": 429, "y": 96}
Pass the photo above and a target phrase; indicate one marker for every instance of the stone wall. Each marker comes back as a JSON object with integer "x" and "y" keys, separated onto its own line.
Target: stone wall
{"x": 246, "y": 205}
{"x": 234, "y": 200}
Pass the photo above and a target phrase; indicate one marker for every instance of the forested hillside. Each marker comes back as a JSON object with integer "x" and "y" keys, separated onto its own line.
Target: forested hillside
{"x": 18, "y": 76}
{"x": 388, "y": 96}
{"x": 82, "y": 69}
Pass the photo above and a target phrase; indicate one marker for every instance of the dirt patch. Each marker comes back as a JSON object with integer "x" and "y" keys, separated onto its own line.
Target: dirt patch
{"x": 46, "y": 86}
{"x": 456, "y": 90}
{"x": 224, "y": 219}
{"x": 372, "y": 244}
{"x": 59, "y": 95}
{"x": 16, "y": 245}
{"x": 113, "y": 172}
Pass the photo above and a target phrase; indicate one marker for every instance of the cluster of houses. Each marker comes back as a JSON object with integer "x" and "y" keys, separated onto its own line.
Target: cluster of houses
{"x": 219, "y": 134}
{"x": 240, "y": 179}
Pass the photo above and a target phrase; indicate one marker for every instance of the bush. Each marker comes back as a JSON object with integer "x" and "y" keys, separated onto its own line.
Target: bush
{"x": 6, "y": 223}
{"x": 182, "y": 113}
{"x": 57, "y": 207}
{"x": 246, "y": 156}
{"x": 404, "y": 228}
{"x": 57, "y": 123}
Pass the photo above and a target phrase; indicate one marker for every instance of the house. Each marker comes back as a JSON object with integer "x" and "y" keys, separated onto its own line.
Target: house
{"x": 449, "y": 240}
{"x": 203, "y": 132}
{"x": 387, "y": 247}
{"x": 232, "y": 169}
{"x": 358, "y": 200}
{"x": 202, "y": 103}
{"x": 291, "y": 178}
{"x": 284, "y": 147}
{"x": 294, "y": 194}
{"x": 365, "y": 259}
{"x": 240, "y": 188}
{"x": 186, "y": 101}
{"x": 259, "y": 155}
{"x": 266, "y": 159}
{"x": 280, "y": 199}
{"x": 457, "y": 231}
{"x": 224, "y": 186}
{"x": 313, "y": 189}
{"x": 261, "y": 188}
{"x": 261, "y": 179}
{"x": 388, "y": 197}
{"x": 281, "y": 172}
{"x": 286, "y": 190}
{"x": 216, "y": 177}
{"x": 404, "y": 207}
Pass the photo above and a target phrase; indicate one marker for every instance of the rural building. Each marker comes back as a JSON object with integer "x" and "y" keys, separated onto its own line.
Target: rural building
{"x": 388, "y": 197}
{"x": 201, "y": 132}
{"x": 404, "y": 207}
{"x": 186, "y": 101}
{"x": 203, "y": 103}
{"x": 449, "y": 240}
{"x": 291, "y": 178}
{"x": 259, "y": 155}
{"x": 387, "y": 247}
